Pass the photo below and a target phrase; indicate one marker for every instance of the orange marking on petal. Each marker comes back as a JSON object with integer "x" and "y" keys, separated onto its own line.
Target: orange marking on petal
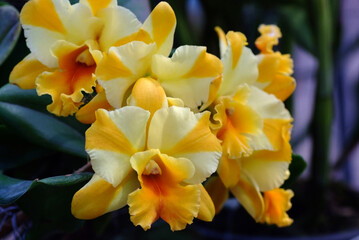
{"x": 111, "y": 67}
{"x": 42, "y": 13}
{"x": 141, "y": 35}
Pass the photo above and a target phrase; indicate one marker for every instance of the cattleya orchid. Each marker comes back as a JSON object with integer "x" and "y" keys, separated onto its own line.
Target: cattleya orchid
{"x": 256, "y": 150}
{"x": 155, "y": 164}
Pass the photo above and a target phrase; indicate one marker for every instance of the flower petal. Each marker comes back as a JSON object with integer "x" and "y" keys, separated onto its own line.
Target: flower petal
{"x": 119, "y": 70}
{"x": 160, "y": 25}
{"x": 277, "y": 202}
{"x": 120, "y": 27}
{"x": 148, "y": 94}
{"x": 223, "y": 44}
{"x": 98, "y": 197}
{"x": 218, "y": 192}
{"x": 86, "y": 114}
{"x": 25, "y": 72}
{"x": 96, "y": 5}
{"x": 188, "y": 74}
{"x": 247, "y": 193}
{"x": 206, "y": 209}
{"x": 179, "y": 133}
{"x": 46, "y": 21}
{"x": 269, "y": 37}
{"x": 113, "y": 138}
{"x": 240, "y": 64}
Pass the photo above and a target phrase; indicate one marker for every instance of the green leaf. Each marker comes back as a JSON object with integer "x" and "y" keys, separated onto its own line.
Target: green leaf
{"x": 27, "y": 98}
{"x": 42, "y": 129}
{"x": 12, "y": 189}
{"x": 9, "y": 30}
{"x": 296, "y": 168}
{"x": 48, "y": 201}
{"x": 12, "y": 156}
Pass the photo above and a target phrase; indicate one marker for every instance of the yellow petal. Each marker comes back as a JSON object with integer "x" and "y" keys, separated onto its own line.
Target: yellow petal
{"x": 120, "y": 27}
{"x": 25, "y": 72}
{"x": 86, "y": 114}
{"x": 180, "y": 133}
{"x": 223, "y": 44}
{"x": 274, "y": 74}
{"x": 277, "y": 202}
{"x": 98, "y": 197}
{"x": 118, "y": 71}
{"x": 66, "y": 84}
{"x": 229, "y": 171}
{"x": 47, "y": 21}
{"x": 240, "y": 64}
{"x": 113, "y": 138}
{"x": 206, "y": 209}
{"x": 160, "y": 25}
{"x": 96, "y": 5}
{"x": 218, "y": 192}
{"x": 247, "y": 193}
{"x": 269, "y": 37}
{"x": 188, "y": 74}
{"x": 148, "y": 94}
{"x": 162, "y": 194}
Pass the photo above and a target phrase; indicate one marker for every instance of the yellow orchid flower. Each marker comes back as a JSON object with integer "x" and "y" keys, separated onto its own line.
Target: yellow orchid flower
{"x": 155, "y": 164}
{"x": 191, "y": 74}
{"x": 66, "y": 42}
{"x": 275, "y": 69}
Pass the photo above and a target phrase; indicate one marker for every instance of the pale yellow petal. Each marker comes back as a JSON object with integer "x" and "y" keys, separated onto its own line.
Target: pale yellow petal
{"x": 120, "y": 27}
{"x": 223, "y": 44}
{"x": 249, "y": 196}
{"x": 160, "y": 25}
{"x": 119, "y": 70}
{"x": 188, "y": 74}
{"x": 180, "y": 133}
{"x": 113, "y": 138}
{"x": 98, "y": 197}
{"x": 25, "y": 72}
{"x": 47, "y": 21}
{"x": 240, "y": 65}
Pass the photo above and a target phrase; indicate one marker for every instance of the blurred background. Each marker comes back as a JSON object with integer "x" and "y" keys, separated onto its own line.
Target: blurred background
{"x": 322, "y": 37}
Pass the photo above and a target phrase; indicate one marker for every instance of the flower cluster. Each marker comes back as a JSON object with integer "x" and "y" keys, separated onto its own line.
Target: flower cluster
{"x": 162, "y": 124}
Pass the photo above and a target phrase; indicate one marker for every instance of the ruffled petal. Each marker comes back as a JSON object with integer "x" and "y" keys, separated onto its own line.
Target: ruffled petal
{"x": 188, "y": 74}
{"x": 67, "y": 84}
{"x": 120, "y": 69}
{"x": 277, "y": 203}
{"x": 160, "y": 25}
{"x": 25, "y": 72}
{"x": 86, "y": 114}
{"x": 247, "y": 193}
{"x": 179, "y": 133}
{"x": 162, "y": 194}
{"x": 113, "y": 138}
{"x": 269, "y": 37}
{"x": 98, "y": 196}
